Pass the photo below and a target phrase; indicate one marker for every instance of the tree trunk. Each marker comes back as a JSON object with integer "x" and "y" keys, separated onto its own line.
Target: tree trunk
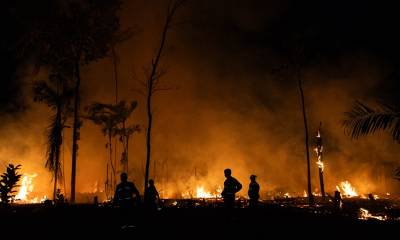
{"x": 321, "y": 183}
{"x": 310, "y": 196}
{"x": 55, "y": 184}
{"x": 115, "y": 64}
{"x": 148, "y": 136}
{"x": 172, "y": 7}
{"x": 75, "y": 131}
{"x": 127, "y": 156}
{"x": 59, "y": 141}
{"x": 113, "y": 171}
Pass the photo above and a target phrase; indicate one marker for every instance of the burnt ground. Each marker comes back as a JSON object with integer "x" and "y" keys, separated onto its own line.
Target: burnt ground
{"x": 280, "y": 220}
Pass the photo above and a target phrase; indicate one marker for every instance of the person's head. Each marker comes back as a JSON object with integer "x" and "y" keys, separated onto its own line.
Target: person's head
{"x": 124, "y": 177}
{"x": 228, "y": 172}
{"x": 253, "y": 177}
{"x": 151, "y": 182}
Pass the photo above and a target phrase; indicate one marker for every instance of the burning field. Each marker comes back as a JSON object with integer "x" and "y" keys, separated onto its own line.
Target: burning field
{"x": 301, "y": 97}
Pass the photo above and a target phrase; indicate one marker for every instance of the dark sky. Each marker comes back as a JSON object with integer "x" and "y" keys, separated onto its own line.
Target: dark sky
{"x": 264, "y": 32}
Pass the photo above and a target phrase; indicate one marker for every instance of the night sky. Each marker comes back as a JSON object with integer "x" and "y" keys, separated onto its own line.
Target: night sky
{"x": 235, "y": 101}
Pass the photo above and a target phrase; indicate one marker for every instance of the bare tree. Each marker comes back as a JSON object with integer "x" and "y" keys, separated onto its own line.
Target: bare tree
{"x": 152, "y": 82}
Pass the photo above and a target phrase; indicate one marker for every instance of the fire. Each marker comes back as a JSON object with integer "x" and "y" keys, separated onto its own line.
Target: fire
{"x": 26, "y": 187}
{"x": 346, "y": 189}
{"x": 202, "y": 193}
{"x": 305, "y": 194}
{"x": 318, "y": 150}
{"x": 320, "y": 164}
{"x": 365, "y": 215}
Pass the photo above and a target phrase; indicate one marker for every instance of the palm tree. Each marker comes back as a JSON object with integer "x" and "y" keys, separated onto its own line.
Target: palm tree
{"x": 58, "y": 98}
{"x": 77, "y": 32}
{"x": 364, "y": 120}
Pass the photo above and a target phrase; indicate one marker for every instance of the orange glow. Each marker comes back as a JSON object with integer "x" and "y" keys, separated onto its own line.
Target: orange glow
{"x": 346, "y": 189}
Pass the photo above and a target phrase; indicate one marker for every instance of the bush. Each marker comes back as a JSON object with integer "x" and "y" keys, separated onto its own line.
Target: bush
{"x": 8, "y": 183}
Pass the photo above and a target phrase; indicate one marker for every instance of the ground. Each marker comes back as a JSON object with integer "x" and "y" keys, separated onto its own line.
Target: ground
{"x": 205, "y": 221}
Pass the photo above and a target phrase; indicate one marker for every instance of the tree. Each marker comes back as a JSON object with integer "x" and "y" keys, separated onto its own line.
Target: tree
{"x": 125, "y": 132}
{"x": 8, "y": 182}
{"x": 57, "y": 94}
{"x": 109, "y": 117}
{"x": 152, "y": 83}
{"x": 298, "y": 57}
{"x": 364, "y": 120}
{"x": 78, "y": 32}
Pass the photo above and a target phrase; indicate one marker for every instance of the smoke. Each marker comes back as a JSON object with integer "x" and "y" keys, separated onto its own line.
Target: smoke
{"x": 226, "y": 109}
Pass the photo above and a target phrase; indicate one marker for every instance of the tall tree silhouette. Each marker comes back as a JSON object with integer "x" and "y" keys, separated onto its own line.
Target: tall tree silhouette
{"x": 152, "y": 83}
{"x": 57, "y": 94}
{"x": 79, "y": 32}
{"x": 299, "y": 55}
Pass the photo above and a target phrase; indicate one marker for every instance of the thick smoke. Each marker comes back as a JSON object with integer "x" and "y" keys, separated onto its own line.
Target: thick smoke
{"x": 226, "y": 109}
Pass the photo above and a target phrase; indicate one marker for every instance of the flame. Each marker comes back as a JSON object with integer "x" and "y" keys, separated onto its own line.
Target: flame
{"x": 346, "y": 189}
{"x": 365, "y": 215}
{"x": 318, "y": 150}
{"x": 26, "y": 187}
{"x": 202, "y": 193}
{"x": 25, "y": 190}
{"x": 320, "y": 164}
{"x": 287, "y": 195}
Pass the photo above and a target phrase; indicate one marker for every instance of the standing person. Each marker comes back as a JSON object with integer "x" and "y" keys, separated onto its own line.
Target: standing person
{"x": 231, "y": 187}
{"x": 151, "y": 196}
{"x": 254, "y": 189}
{"x": 126, "y": 197}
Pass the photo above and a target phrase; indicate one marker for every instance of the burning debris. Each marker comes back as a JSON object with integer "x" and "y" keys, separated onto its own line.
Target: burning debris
{"x": 318, "y": 150}
{"x": 346, "y": 189}
{"x": 202, "y": 193}
{"x": 366, "y": 215}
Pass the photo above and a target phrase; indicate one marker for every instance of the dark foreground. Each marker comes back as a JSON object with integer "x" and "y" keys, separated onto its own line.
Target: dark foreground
{"x": 38, "y": 221}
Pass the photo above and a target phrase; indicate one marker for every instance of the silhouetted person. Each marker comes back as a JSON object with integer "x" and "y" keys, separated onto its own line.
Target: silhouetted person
{"x": 151, "y": 196}
{"x": 126, "y": 193}
{"x": 126, "y": 197}
{"x": 253, "y": 192}
{"x": 337, "y": 200}
{"x": 231, "y": 187}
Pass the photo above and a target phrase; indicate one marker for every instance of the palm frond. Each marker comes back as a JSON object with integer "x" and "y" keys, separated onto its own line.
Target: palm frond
{"x": 363, "y": 120}
{"x": 54, "y": 141}
{"x": 44, "y": 93}
{"x": 397, "y": 174}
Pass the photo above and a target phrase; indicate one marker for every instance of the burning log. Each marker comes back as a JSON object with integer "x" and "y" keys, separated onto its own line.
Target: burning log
{"x": 318, "y": 149}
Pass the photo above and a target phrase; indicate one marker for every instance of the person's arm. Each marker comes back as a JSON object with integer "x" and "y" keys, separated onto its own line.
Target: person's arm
{"x": 136, "y": 191}
{"x": 238, "y": 186}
